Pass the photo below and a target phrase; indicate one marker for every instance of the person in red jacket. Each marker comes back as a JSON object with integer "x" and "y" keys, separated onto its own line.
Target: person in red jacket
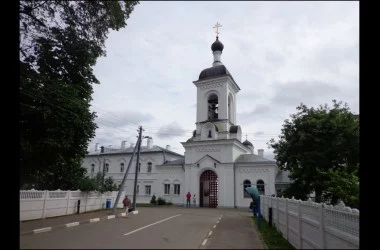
{"x": 127, "y": 204}
{"x": 188, "y": 197}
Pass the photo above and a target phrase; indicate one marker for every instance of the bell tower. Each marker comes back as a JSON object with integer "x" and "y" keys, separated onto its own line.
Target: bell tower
{"x": 216, "y": 100}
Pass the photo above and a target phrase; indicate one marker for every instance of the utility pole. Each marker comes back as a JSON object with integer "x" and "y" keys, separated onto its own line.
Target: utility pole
{"x": 125, "y": 177}
{"x": 137, "y": 168}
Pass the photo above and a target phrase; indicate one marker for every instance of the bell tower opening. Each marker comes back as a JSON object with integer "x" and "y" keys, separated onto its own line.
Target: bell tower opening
{"x": 213, "y": 107}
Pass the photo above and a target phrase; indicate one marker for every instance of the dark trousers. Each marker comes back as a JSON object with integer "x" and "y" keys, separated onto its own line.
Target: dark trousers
{"x": 188, "y": 203}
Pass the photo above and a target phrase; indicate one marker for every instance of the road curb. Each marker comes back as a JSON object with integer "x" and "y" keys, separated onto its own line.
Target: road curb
{"x": 75, "y": 223}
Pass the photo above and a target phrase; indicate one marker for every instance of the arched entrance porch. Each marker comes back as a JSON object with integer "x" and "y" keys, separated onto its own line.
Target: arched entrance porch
{"x": 208, "y": 189}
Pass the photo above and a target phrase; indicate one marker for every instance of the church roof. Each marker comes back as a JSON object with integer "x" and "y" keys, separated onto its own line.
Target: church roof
{"x": 129, "y": 150}
{"x": 214, "y": 71}
{"x": 247, "y": 143}
{"x": 234, "y": 129}
{"x": 251, "y": 158}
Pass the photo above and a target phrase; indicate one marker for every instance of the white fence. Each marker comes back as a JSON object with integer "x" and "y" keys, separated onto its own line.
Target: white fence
{"x": 310, "y": 225}
{"x": 35, "y": 204}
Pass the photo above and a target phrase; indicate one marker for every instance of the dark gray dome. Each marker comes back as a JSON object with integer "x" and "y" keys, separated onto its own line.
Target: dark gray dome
{"x": 215, "y": 71}
{"x": 217, "y": 45}
{"x": 247, "y": 143}
{"x": 234, "y": 129}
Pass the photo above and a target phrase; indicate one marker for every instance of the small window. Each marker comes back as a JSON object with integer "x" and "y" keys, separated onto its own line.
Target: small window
{"x": 122, "y": 167}
{"x": 260, "y": 186}
{"x": 177, "y": 189}
{"x": 167, "y": 188}
{"x": 137, "y": 189}
{"x": 149, "y": 167}
{"x": 246, "y": 184}
{"x": 139, "y": 169}
{"x": 147, "y": 190}
{"x": 92, "y": 168}
{"x": 107, "y": 167}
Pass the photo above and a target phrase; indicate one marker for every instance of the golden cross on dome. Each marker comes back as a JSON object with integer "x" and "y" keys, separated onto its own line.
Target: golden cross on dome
{"x": 217, "y": 25}
{"x": 246, "y": 136}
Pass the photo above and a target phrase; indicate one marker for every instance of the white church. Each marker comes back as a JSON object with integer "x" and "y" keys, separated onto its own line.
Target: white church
{"x": 217, "y": 165}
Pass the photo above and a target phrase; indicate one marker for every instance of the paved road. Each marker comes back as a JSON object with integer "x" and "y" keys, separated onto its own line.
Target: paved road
{"x": 159, "y": 228}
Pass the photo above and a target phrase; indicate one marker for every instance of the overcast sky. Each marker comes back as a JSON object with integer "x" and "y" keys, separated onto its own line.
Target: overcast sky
{"x": 279, "y": 53}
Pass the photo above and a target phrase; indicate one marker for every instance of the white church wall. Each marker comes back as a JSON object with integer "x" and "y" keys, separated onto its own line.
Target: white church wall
{"x": 170, "y": 175}
{"x": 252, "y": 173}
{"x": 226, "y": 186}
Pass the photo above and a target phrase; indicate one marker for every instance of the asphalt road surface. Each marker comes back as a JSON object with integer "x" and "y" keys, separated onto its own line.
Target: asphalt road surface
{"x": 159, "y": 228}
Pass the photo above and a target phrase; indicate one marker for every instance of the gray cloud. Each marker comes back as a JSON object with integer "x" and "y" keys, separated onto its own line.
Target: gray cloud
{"x": 259, "y": 133}
{"x": 309, "y": 92}
{"x": 170, "y": 131}
{"x": 275, "y": 58}
{"x": 119, "y": 119}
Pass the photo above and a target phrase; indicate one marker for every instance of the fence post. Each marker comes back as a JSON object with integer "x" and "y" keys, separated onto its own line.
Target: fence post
{"x": 101, "y": 198}
{"x": 322, "y": 226}
{"x": 286, "y": 219}
{"x": 85, "y": 205}
{"x": 68, "y": 201}
{"x": 278, "y": 213}
{"x": 44, "y": 208}
{"x": 299, "y": 224}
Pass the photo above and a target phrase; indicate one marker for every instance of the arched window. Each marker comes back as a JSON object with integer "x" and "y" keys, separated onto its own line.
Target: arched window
{"x": 213, "y": 107}
{"x": 246, "y": 184}
{"x": 92, "y": 168}
{"x": 260, "y": 186}
{"x": 122, "y": 167}
{"x": 149, "y": 167}
{"x": 107, "y": 167}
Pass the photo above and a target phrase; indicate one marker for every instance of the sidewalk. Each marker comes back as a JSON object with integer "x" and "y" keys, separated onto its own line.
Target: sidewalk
{"x": 235, "y": 232}
{"x": 29, "y": 226}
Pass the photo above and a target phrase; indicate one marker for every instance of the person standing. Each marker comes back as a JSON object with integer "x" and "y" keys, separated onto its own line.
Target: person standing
{"x": 188, "y": 197}
{"x": 126, "y": 203}
{"x": 194, "y": 200}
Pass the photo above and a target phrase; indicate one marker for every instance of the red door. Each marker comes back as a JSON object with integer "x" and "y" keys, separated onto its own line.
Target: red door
{"x": 208, "y": 188}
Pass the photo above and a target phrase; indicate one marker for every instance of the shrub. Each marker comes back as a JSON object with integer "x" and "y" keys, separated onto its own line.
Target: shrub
{"x": 169, "y": 203}
{"x": 161, "y": 201}
{"x": 153, "y": 201}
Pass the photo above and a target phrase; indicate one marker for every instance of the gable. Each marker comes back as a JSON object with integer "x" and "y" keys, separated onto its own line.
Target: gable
{"x": 207, "y": 160}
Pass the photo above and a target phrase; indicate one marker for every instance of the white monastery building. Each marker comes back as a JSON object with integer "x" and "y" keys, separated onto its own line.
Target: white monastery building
{"x": 217, "y": 165}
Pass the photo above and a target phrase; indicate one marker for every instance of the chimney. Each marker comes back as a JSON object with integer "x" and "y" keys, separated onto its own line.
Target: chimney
{"x": 149, "y": 143}
{"x": 96, "y": 147}
{"x": 260, "y": 152}
{"x": 123, "y": 144}
{"x": 167, "y": 147}
{"x": 101, "y": 149}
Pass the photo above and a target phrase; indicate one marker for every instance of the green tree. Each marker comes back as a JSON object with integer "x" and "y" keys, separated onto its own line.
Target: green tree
{"x": 98, "y": 183}
{"x": 320, "y": 148}
{"x": 60, "y": 42}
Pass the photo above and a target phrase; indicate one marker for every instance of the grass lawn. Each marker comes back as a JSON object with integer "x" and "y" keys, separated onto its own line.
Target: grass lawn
{"x": 271, "y": 237}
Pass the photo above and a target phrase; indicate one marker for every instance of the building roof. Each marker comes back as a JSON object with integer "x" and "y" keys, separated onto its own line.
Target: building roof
{"x": 129, "y": 150}
{"x": 174, "y": 162}
{"x": 214, "y": 71}
{"x": 283, "y": 177}
{"x": 251, "y": 158}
